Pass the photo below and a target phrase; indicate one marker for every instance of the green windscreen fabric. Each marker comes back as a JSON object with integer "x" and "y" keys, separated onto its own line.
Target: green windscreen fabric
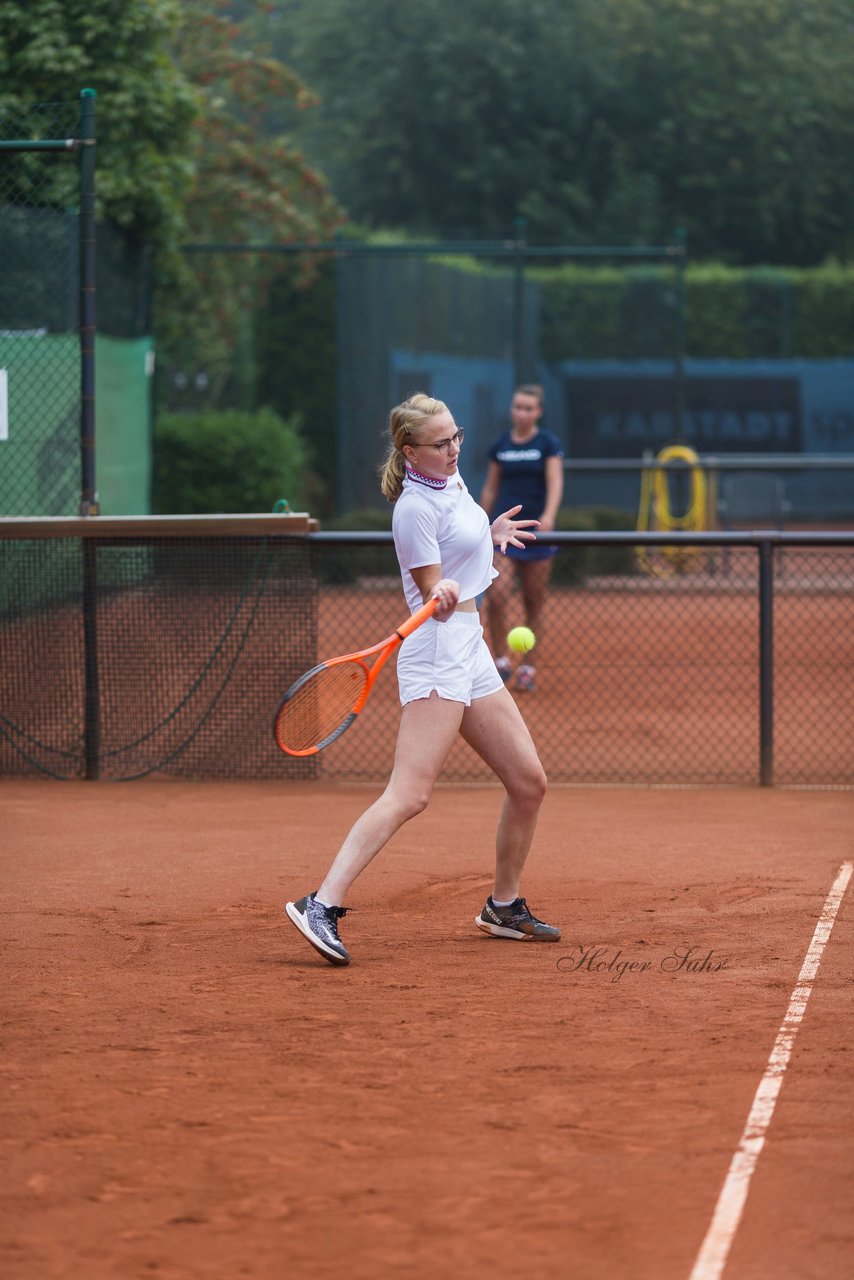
{"x": 39, "y": 429}
{"x": 40, "y": 424}
{"x": 123, "y": 431}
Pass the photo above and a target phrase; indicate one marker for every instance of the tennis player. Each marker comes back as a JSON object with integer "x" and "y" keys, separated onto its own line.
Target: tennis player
{"x": 525, "y": 466}
{"x": 448, "y": 680}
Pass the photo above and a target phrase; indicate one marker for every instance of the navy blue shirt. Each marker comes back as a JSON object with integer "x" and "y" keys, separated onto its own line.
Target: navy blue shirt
{"x": 523, "y": 472}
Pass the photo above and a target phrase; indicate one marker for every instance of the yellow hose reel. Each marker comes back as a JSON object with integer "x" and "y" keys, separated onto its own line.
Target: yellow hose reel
{"x": 655, "y": 511}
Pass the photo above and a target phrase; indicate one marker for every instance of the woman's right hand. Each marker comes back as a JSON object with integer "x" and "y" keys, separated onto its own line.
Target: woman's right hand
{"x": 447, "y": 592}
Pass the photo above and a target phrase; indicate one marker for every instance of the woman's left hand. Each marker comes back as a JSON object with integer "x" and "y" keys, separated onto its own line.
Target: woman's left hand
{"x": 509, "y": 532}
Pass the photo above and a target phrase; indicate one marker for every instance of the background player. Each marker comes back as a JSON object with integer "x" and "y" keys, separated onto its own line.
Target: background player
{"x": 525, "y": 466}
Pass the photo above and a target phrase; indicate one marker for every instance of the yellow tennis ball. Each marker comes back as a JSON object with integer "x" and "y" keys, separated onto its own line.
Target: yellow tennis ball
{"x": 521, "y": 639}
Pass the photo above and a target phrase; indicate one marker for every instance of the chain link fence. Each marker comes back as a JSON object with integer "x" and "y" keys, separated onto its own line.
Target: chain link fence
{"x": 145, "y": 651}
{"x": 53, "y": 365}
{"x": 40, "y": 392}
{"x": 341, "y": 331}
{"x": 635, "y": 348}
{"x": 676, "y": 660}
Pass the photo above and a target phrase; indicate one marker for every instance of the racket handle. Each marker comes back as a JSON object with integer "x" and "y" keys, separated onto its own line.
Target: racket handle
{"x": 413, "y": 622}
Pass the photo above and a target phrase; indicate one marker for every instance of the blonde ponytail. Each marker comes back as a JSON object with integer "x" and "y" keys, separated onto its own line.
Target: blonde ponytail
{"x": 404, "y": 427}
{"x": 391, "y": 475}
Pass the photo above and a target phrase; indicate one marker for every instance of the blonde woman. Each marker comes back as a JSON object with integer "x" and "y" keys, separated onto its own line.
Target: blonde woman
{"x": 448, "y": 681}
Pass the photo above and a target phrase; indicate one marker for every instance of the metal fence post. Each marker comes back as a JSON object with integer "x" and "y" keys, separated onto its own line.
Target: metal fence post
{"x": 518, "y": 323}
{"x": 766, "y": 664}
{"x": 89, "y": 496}
{"x": 679, "y": 351}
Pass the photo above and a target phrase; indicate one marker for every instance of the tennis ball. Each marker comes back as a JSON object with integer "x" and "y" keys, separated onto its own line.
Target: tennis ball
{"x": 521, "y": 639}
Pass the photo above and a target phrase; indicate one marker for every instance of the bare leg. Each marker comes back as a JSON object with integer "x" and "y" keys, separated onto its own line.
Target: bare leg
{"x": 497, "y": 599}
{"x": 427, "y": 731}
{"x": 535, "y": 576}
{"x": 494, "y": 727}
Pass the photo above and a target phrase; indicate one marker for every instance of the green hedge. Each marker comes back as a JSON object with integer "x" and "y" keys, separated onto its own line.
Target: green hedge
{"x": 572, "y": 564}
{"x": 295, "y": 358}
{"x": 226, "y": 461}
{"x": 738, "y": 314}
{"x": 347, "y": 564}
{"x": 585, "y": 313}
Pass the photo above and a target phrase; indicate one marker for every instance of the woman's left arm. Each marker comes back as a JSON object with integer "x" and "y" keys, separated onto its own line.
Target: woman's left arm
{"x": 554, "y": 493}
{"x": 505, "y": 531}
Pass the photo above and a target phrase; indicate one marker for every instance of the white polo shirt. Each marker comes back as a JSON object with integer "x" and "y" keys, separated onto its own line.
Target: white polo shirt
{"x": 442, "y": 526}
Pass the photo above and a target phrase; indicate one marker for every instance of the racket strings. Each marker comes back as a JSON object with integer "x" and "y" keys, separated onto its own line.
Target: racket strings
{"x": 320, "y": 705}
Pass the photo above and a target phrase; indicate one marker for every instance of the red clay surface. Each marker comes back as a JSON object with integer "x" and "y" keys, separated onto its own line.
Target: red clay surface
{"x": 189, "y": 1091}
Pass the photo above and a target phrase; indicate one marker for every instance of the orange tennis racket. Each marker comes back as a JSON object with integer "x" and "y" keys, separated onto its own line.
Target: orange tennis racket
{"x": 326, "y": 700}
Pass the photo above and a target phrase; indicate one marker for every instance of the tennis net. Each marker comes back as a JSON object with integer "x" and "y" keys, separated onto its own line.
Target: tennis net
{"x": 140, "y": 646}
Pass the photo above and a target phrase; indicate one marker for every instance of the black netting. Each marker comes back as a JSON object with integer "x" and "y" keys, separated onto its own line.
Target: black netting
{"x": 191, "y": 643}
{"x": 647, "y": 668}
{"x": 814, "y": 666}
{"x": 647, "y": 665}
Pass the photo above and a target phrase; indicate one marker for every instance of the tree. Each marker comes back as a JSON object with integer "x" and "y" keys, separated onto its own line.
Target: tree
{"x": 739, "y": 114}
{"x": 250, "y": 183}
{"x": 598, "y": 120}
{"x": 185, "y": 148}
{"x": 51, "y": 49}
{"x": 442, "y": 117}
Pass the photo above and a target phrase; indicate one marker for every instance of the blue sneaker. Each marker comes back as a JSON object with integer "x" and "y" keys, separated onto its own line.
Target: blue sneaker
{"x": 525, "y": 679}
{"x": 319, "y": 925}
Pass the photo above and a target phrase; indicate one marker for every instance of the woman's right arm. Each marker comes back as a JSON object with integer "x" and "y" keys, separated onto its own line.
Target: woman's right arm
{"x": 429, "y": 581}
{"x": 491, "y": 484}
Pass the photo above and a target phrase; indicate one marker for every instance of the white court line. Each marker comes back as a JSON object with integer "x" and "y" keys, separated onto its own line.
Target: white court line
{"x": 712, "y": 1257}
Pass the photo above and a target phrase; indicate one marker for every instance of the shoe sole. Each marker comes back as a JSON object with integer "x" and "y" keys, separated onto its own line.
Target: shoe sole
{"x": 298, "y": 919}
{"x": 499, "y": 931}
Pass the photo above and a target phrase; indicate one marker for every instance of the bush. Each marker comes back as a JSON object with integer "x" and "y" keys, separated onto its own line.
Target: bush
{"x": 573, "y": 564}
{"x": 226, "y": 461}
{"x": 593, "y": 313}
{"x": 295, "y": 350}
{"x": 348, "y": 564}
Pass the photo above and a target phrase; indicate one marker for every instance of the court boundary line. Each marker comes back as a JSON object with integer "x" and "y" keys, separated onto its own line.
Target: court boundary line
{"x": 715, "y": 1248}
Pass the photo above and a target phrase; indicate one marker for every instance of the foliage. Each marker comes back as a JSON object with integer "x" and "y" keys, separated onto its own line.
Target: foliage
{"x": 573, "y": 564}
{"x": 226, "y": 461}
{"x": 348, "y": 564}
{"x": 294, "y": 345}
{"x": 730, "y": 313}
{"x": 186, "y": 151}
{"x": 251, "y": 184}
{"x": 51, "y": 49}
{"x": 599, "y": 121}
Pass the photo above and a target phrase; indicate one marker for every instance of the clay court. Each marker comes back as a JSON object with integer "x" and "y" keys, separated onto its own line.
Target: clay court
{"x": 189, "y": 1091}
